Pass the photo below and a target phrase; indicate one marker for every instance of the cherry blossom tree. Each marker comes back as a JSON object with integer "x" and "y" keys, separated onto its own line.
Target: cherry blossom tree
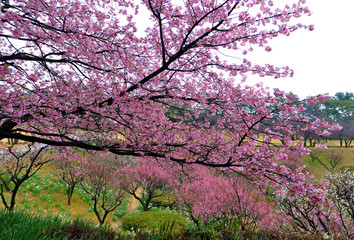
{"x": 18, "y": 164}
{"x": 333, "y": 217}
{"x": 100, "y": 185}
{"x": 341, "y": 192}
{"x": 71, "y": 169}
{"x": 306, "y": 214}
{"x": 335, "y": 158}
{"x": 150, "y": 176}
{"x": 87, "y": 74}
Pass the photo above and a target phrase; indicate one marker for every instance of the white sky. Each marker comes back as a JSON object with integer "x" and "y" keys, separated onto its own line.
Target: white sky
{"x": 323, "y": 60}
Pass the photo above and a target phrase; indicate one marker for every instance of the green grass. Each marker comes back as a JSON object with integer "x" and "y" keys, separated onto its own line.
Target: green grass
{"x": 21, "y": 226}
{"x": 36, "y": 204}
{"x": 122, "y": 209}
{"x": 318, "y": 169}
{"x": 24, "y": 226}
{"x": 44, "y": 193}
{"x": 43, "y": 197}
{"x": 149, "y": 221}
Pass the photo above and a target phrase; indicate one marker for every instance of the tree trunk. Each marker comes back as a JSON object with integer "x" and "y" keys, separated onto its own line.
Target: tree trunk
{"x": 69, "y": 193}
{"x": 13, "y": 195}
{"x": 100, "y": 220}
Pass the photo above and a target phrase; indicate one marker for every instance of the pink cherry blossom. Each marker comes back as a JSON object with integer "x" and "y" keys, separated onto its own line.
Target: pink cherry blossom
{"x": 86, "y": 74}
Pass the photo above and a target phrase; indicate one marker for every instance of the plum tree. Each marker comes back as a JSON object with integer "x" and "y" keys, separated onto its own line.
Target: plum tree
{"x": 100, "y": 186}
{"x": 71, "y": 169}
{"x": 17, "y": 165}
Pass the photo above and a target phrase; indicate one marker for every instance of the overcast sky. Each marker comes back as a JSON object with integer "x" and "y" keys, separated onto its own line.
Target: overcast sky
{"x": 323, "y": 60}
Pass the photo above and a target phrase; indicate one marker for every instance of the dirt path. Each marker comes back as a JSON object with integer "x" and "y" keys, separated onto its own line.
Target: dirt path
{"x": 134, "y": 203}
{"x": 132, "y": 207}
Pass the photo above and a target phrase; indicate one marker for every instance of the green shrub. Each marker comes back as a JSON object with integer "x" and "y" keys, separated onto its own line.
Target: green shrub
{"x": 152, "y": 221}
{"x": 48, "y": 177}
{"x": 164, "y": 202}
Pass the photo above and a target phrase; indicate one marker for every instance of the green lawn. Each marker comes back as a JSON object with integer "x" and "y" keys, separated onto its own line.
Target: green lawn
{"x": 318, "y": 170}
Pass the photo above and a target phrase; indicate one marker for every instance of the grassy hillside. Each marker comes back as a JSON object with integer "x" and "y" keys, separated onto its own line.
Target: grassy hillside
{"x": 318, "y": 170}
{"x": 44, "y": 194}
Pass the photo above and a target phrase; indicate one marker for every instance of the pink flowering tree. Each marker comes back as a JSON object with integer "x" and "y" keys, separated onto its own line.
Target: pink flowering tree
{"x": 100, "y": 186}
{"x": 71, "y": 169}
{"x": 306, "y": 210}
{"x": 18, "y": 164}
{"x": 324, "y": 208}
{"x": 335, "y": 158}
{"x": 250, "y": 210}
{"x": 88, "y": 74}
{"x": 226, "y": 202}
{"x": 154, "y": 179}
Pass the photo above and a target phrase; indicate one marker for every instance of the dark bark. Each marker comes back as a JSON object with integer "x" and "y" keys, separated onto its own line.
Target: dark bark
{"x": 16, "y": 179}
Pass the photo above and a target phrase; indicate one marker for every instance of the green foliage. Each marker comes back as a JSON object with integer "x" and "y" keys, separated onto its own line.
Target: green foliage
{"x": 347, "y": 96}
{"x": 58, "y": 188}
{"x": 340, "y": 107}
{"x": 58, "y": 204}
{"x": 18, "y": 225}
{"x": 174, "y": 111}
{"x": 123, "y": 208}
{"x": 164, "y": 232}
{"x": 163, "y": 202}
{"x": 153, "y": 221}
{"x": 36, "y": 191}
